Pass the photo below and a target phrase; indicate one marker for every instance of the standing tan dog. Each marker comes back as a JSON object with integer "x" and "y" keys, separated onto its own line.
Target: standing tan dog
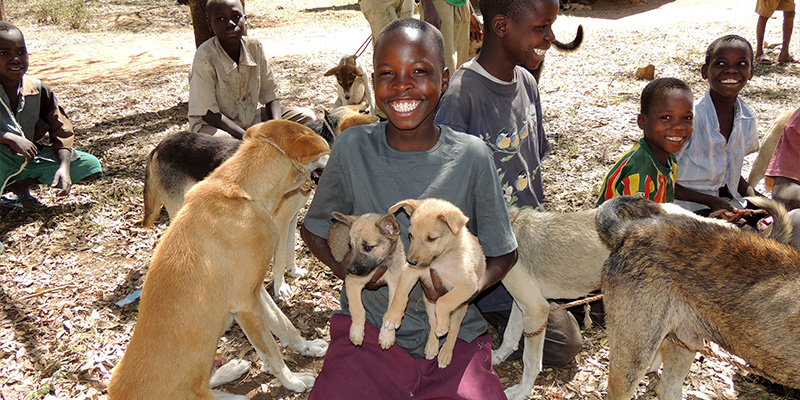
{"x": 184, "y": 158}
{"x": 210, "y": 267}
{"x": 376, "y": 249}
{"x": 669, "y": 276}
{"x": 440, "y": 244}
{"x": 352, "y": 84}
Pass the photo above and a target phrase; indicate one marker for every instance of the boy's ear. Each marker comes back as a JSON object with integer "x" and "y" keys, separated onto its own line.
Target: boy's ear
{"x": 445, "y": 79}
{"x": 641, "y": 119}
{"x": 500, "y": 25}
{"x": 704, "y": 71}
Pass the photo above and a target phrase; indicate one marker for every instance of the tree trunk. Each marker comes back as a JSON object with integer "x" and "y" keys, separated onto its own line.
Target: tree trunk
{"x": 202, "y": 28}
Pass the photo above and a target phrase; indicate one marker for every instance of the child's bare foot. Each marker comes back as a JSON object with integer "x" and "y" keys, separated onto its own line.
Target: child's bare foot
{"x": 787, "y": 59}
{"x": 763, "y": 60}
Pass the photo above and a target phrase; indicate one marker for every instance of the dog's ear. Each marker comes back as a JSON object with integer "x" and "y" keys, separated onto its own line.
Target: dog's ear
{"x": 454, "y": 219}
{"x": 345, "y": 219}
{"x": 331, "y": 71}
{"x": 388, "y": 226}
{"x": 409, "y": 205}
{"x": 358, "y": 71}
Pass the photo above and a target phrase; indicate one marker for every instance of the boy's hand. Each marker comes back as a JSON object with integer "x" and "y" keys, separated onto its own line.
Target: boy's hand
{"x": 21, "y": 145}
{"x": 62, "y": 176}
{"x": 475, "y": 28}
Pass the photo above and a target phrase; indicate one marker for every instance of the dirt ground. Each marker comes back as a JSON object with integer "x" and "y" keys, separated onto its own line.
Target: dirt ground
{"x": 123, "y": 81}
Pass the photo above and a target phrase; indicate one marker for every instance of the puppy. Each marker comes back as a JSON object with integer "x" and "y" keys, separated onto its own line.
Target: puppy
{"x": 210, "y": 267}
{"x": 184, "y": 158}
{"x": 376, "y": 249}
{"x": 440, "y": 244}
{"x": 690, "y": 280}
{"x": 560, "y": 256}
{"x": 767, "y": 148}
{"x": 352, "y": 83}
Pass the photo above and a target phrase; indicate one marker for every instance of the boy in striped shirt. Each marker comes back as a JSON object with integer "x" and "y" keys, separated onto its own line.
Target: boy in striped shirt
{"x": 649, "y": 168}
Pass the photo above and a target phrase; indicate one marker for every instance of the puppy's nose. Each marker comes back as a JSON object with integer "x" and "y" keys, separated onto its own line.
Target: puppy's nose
{"x": 412, "y": 262}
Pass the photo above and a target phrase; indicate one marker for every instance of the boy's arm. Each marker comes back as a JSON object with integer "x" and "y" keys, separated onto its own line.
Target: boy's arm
{"x": 745, "y": 189}
{"x": 62, "y": 174}
{"x": 19, "y": 144}
{"x": 319, "y": 248}
{"x": 713, "y": 202}
{"x": 431, "y": 14}
{"x": 272, "y": 111}
{"x": 220, "y": 121}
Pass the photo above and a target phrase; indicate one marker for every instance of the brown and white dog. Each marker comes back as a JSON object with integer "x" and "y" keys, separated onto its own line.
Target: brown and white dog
{"x": 672, "y": 281}
{"x": 352, "y": 84}
{"x": 184, "y": 158}
{"x": 209, "y": 268}
{"x": 375, "y": 249}
{"x": 440, "y": 244}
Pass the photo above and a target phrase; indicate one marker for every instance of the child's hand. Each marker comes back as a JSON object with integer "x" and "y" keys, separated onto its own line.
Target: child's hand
{"x": 22, "y": 145}
{"x": 475, "y": 29}
{"x": 62, "y": 176}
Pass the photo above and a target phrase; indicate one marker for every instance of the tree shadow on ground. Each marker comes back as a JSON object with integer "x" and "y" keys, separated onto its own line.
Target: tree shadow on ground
{"x": 347, "y": 7}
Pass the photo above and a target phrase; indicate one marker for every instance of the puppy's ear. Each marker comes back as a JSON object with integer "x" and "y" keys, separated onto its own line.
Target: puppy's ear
{"x": 332, "y": 71}
{"x": 454, "y": 219}
{"x": 408, "y": 205}
{"x": 388, "y": 226}
{"x": 345, "y": 219}
{"x": 358, "y": 71}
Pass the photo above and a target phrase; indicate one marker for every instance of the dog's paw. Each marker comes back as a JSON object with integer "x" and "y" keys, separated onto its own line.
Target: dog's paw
{"x": 229, "y": 372}
{"x": 431, "y": 348}
{"x": 442, "y": 328}
{"x": 386, "y": 338}
{"x": 314, "y": 348}
{"x": 445, "y": 357}
{"x": 297, "y": 272}
{"x": 284, "y": 291}
{"x": 357, "y": 334}
{"x": 392, "y": 320}
{"x": 517, "y": 392}
{"x": 300, "y": 381}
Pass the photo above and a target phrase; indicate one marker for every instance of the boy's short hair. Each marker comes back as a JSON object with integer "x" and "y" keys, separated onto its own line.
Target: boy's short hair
{"x": 8, "y": 27}
{"x": 657, "y": 86}
{"x": 429, "y": 31}
{"x": 510, "y": 8}
{"x": 725, "y": 39}
{"x": 210, "y": 3}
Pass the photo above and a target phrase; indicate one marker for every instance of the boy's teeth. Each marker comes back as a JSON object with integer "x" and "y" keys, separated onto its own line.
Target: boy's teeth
{"x": 674, "y": 139}
{"x": 404, "y": 106}
{"x": 730, "y": 81}
{"x": 539, "y": 52}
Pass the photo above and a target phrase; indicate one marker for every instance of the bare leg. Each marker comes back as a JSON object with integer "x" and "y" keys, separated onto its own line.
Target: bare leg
{"x": 761, "y": 27}
{"x": 788, "y": 24}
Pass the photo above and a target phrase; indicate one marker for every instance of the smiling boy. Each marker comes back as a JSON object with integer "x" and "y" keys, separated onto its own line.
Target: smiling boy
{"x": 370, "y": 169}
{"x": 725, "y": 131}
{"x": 648, "y": 169}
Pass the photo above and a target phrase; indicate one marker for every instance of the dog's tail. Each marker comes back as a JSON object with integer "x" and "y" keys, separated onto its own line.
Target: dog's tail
{"x": 152, "y": 205}
{"x": 615, "y": 215}
{"x": 768, "y": 148}
{"x": 781, "y": 228}
{"x": 574, "y": 44}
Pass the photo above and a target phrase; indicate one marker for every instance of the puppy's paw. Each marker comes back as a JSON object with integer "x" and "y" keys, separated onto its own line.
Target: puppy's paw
{"x": 442, "y": 328}
{"x": 314, "y": 348}
{"x": 445, "y": 357}
{"x": 297, "y": 272}
{"x": 357, "y": 334}
{"x": 431, "y": 348}
{"x": 300, "y": 382}
{"x": 391, "y": 320}
{"x": 284, "y": 291}
{"x": 386, "y": 338}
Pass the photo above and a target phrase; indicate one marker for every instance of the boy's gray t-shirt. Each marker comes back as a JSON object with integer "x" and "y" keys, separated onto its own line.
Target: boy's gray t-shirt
{"x": 365, "y": 175}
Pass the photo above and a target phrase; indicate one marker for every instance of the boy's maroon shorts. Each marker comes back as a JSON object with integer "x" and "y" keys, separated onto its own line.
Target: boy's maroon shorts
{"x": 369, "y": 372}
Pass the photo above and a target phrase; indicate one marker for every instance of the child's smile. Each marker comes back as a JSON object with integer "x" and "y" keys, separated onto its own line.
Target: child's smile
{"x": 729, "y": 69}
{"x": 13, "y": 57}
{"x": 669, "y": 123}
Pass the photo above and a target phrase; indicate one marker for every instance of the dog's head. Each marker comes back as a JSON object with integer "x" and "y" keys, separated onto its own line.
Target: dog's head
{"x": 373, "y": 239}
{"x": 307, "y": 151}
{"x": 434, "y": 227}
{"x": 346, "y": 73}
{"x": 336, "y": 120}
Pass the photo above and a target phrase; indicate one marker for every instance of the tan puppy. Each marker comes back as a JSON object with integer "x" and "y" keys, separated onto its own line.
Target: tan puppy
{"x": 210, "y": 267}
{"x": 767, "y": 148}
{"x": 440, "y": 244}
{"x": 352, "y": 84}
{"x": 690, "y": 280}
{"x": 376, "y": 249}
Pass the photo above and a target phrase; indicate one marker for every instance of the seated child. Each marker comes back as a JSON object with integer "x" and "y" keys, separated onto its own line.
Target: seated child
{"x": 372, "y": 167}
{"x": 648, "y": 169}
{"x": 784, "y": 168}
{"x": 725, "y": 131}
{"x": 230, "y": 76}
{"x": 30, "y": 112}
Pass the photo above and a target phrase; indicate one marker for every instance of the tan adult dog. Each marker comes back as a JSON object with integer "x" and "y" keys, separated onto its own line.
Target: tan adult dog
{"x": 352, "y": 84}
{"x": 210, "y": 267}
{"x": 768, "y": 146}
{"x": 184, "y": 158}
{"x": 560, "y": 257}
{"x": 375, "y": 249}
{"x": 440, "y": 244}
{"x": 684, "y": 279}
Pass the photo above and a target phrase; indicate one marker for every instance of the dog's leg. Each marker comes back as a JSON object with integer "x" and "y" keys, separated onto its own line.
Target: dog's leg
{"x": 432, "y": 346}
{"x": 397, "y": 307}
{"x": 358, "y": 317}
{"x": 291, "y": 264}
{"x": 229, "y": 372}
{"x": 284, "y": 252}
{"x": 287, "y": 333}
{"x": 152, "y": 200}
{"x": 446, "y": 353}
{"x": 447, "y": 304}
{"x": 534, "y": 311}
{"x": 510, "y": 337}
{"x": 255, "y": 322}
{"x": 677, "y": 361}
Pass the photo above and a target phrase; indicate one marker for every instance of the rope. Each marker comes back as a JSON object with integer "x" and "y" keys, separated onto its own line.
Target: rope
{"x": 587, "y": 300}
{"x": 363, "y": 47}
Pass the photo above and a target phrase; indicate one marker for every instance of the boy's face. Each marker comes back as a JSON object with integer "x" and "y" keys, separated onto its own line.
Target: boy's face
{"x": 729, "y": 68}
{"x": 13, "y": 56}
{"x": 527, "y": 37}
{"x": 227, "y": 20}
{"x": 408, "y": 79}
{"x": 668, "y": 123}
